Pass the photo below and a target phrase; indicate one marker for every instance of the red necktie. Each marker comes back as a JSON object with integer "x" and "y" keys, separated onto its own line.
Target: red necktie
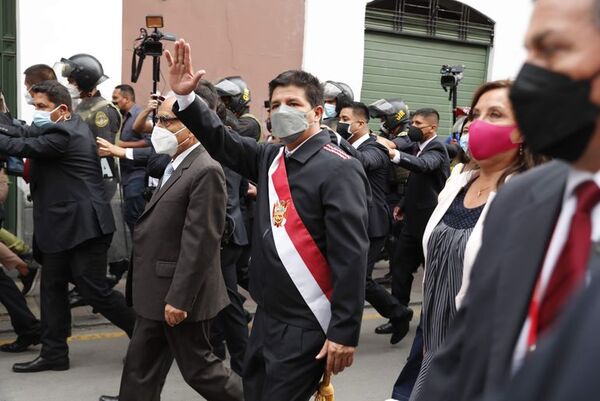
{"x": 571, "y": 266}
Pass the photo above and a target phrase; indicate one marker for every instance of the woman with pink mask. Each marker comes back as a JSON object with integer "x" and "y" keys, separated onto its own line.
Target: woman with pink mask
{"x": 453, "y": 235}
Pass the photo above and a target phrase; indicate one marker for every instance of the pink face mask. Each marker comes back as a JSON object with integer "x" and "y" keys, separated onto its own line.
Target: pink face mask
{"x": 488, "y": 140}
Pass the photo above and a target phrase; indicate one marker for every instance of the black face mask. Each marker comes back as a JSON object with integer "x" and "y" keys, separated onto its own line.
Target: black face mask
{"x": 554, "y": 112}
{"x": 415, "y": 134}
{"x": 342, "y": 129}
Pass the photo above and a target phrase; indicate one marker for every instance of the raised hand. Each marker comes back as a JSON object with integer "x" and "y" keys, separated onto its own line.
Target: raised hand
{"x": 182, "y": 78}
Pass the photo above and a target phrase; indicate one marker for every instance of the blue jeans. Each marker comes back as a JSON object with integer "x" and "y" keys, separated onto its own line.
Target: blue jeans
{"x": 133, "y": 192}
{"x": 408, "y": 376}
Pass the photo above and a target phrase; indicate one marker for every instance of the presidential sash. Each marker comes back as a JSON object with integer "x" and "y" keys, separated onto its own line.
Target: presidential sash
{"x": 297, "y": 250}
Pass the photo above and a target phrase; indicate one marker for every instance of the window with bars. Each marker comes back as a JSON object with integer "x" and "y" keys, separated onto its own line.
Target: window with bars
{"x": 443, "y": 19}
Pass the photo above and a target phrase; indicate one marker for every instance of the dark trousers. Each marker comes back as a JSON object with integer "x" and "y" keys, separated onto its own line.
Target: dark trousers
{"x": 280, "y": 361}
{"x": 375, "y": 294}
{"x": 231, "y": 324}
{"x": 133, "y": 194}
{"x": 408, "y": 376}
{"x": 85, "y": 265}
{"x": 21, "y": 318}
{"x": 151, "y": 350}
{"x": 408, "y": 256}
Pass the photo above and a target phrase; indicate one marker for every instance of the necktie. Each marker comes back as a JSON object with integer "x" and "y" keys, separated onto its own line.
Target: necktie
{"x": 571, "y": 266}
{"x": 168, "y": 171}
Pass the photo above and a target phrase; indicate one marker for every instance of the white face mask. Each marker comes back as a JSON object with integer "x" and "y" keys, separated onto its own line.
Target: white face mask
{"x": 329, "y": 110}
{"x": 165, "y": 141}
{"x": 73, "y": 91}
{"x": 28, "y": 98}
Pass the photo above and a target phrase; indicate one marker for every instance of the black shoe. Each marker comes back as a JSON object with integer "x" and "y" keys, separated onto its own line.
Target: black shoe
{"x": 385, "y": 328}
{"x": 117, "y": 269}
{"x": 20, "y": 345}
{"x": 385, "y": 280}
{"x": 29, "y": 280}
{"x": 75, "y": 299}
{"x": 40, "y": 364}
{"x": 109, "y": 398}
{"x": 400, "y": 326}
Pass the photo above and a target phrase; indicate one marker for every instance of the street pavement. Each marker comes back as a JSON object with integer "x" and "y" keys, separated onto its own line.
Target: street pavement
{"x": 97, "y": 349}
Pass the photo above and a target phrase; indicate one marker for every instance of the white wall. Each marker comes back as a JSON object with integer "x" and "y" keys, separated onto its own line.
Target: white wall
{"x": 51, "y": 29}
{"x": 334, "y": 38}
{"x": 342, "y": 60}
{"x": 512, "y": 18}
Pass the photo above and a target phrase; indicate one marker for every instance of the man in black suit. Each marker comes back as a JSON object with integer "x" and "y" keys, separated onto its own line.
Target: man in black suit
{"x": 308, "y": 264}
{"x": 353, "y": 126}
{"x": 541, "y": 228}
{"x": 72, "y": 219}
{"x": 177, "y": 285}
{"x": 427, "y": 160}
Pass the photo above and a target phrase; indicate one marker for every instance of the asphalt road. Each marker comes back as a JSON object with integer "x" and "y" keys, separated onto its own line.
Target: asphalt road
{"x": 96, "y": 361}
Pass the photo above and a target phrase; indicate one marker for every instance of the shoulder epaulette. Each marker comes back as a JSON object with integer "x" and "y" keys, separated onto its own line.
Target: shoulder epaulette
{"x": 336, "y": 151}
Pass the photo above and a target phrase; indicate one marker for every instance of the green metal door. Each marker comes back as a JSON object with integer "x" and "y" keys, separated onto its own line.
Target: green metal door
{"x": 408, "y": 67}
{"x": 8, "y": 83}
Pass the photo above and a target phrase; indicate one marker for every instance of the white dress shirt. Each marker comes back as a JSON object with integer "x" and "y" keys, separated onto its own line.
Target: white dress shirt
{"x": 559, "y": 238}
{"x": 360, "y": 141}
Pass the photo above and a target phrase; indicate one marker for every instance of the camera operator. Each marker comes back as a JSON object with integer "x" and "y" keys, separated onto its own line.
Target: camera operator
{"x": 72, "y": 218}
{"x": 132, "y": 176}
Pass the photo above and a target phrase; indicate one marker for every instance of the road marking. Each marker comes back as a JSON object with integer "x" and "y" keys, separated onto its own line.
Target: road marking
{"x": 109, "y": 335}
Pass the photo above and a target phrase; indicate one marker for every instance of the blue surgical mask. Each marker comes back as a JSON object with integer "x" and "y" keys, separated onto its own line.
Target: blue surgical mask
{"x": 329, "y": 110}
{"x": 464, "y": 142}
{"x": 42, "y": 118}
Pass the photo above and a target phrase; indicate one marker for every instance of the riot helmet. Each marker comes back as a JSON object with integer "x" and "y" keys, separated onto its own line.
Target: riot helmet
{"x": 394, "y": 113}
{"x": 235, "y": 93}
{"x": 339, "y": 92}
{"x": 84, "y": 69}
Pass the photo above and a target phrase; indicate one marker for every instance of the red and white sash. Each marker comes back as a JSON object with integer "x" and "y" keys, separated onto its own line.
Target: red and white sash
{"x": 297, "y": 250}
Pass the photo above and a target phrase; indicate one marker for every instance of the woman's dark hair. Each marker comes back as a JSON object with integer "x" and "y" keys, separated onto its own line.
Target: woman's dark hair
{"x": 525, "y": 159}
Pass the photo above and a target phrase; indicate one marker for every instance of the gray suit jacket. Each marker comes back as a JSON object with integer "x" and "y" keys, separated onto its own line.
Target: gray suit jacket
{"x": 177, "y": 242}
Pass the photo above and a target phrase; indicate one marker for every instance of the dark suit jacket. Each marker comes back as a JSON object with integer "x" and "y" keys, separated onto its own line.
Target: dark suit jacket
{"x": 234, "y": 212}
{"x": 67, "y": 189}
{"x": 565, "y": 364}
{"x": 428, "y": 174}
{"x": 477, "y": 357}
{"x": 376, "y": 162}
{"x": 177, "y": 240}
{"x": 330, "y": 194}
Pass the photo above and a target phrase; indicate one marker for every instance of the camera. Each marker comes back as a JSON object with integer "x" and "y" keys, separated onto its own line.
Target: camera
{"x": 150, "y": 44}
{"x": 451, "y": 76}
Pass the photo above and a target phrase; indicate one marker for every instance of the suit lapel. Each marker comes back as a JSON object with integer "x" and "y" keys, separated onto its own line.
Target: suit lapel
{"x": 159, "y": 193}
{"x": 521, "y": 263}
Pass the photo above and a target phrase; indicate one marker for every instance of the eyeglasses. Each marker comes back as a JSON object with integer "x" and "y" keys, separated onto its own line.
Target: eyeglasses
{"x": 165, "y": 121}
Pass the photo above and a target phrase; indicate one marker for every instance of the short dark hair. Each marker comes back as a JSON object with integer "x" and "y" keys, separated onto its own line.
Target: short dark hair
{"x": 207, "y": 91}
{"x": 359, "y": 109}
{"x": 427, "y": 112}
{"x": 55, "y": 92}
{"x": 126, "y": 90}
{"x": 302, "y": 79}
{"x": 39, "y": 73}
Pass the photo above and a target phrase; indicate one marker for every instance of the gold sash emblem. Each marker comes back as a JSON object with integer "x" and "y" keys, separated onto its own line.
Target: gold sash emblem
{"x": 280, "y": 212}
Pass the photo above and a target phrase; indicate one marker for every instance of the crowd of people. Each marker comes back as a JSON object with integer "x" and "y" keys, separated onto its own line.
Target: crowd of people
{"x": 192, "y": 197}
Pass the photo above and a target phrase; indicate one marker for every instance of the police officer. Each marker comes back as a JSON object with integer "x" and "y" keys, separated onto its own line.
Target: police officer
{"x": 235, "y": 95}
{"x": 84, "y": 73}
{"x": 337, "y": 95}
{"x": 394, "y": 115}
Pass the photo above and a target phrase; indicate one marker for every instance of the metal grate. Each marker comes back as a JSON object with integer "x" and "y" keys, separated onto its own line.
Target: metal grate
{"x": 443, "y": 19}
